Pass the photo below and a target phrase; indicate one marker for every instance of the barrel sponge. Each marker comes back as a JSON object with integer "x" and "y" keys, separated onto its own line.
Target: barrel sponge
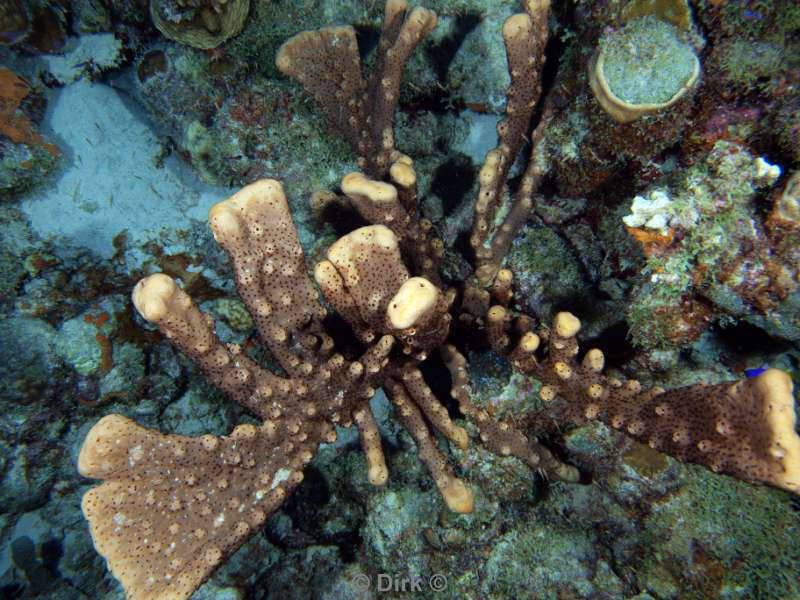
{"x": 644, "y": 67}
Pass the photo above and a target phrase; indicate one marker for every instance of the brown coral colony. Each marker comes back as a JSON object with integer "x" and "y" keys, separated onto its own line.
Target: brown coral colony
{"x": 171, "y": 508}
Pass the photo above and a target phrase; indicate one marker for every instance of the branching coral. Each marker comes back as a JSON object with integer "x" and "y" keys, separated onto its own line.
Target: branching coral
{"x": 171, "y": 508}
{"x": 328, "y": 65}
{"x": 642, "y": 69}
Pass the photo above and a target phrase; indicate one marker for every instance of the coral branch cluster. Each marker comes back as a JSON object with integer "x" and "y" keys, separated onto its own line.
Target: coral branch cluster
{"x": 744, "y": 428}
{"x": 171, "y": 508}
{"x": 167, "y": 497}
{"x": 525, "y": 36}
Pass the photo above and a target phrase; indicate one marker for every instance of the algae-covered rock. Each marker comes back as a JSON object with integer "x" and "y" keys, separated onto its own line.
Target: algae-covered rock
{"x": 642, "y": 68}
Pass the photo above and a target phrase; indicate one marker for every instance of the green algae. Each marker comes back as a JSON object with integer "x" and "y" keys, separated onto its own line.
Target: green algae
{"x": 647, "y": 62}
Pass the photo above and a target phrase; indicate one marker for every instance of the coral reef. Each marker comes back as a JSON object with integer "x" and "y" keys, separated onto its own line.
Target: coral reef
{"x": 709, "y": 252}
{"x": 655, "y": 62}
{"x": 171, "y": 508}
{"x": 674, "y": 237}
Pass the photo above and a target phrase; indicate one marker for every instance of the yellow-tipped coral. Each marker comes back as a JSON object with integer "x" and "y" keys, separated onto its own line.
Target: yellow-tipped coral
{"x": 643, "y": 68}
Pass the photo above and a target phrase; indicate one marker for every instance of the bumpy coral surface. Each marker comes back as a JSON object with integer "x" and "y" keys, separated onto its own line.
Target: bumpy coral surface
{"x": 199, "y": 23}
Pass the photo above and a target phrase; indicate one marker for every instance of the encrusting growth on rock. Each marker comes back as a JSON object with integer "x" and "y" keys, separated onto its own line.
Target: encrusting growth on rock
{"x": 171, "y": 508}
{"x": 326, "y": 62}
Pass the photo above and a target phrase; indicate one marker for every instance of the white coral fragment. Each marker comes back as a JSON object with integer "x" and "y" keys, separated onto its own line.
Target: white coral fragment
{"x": 651, "y": 211}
